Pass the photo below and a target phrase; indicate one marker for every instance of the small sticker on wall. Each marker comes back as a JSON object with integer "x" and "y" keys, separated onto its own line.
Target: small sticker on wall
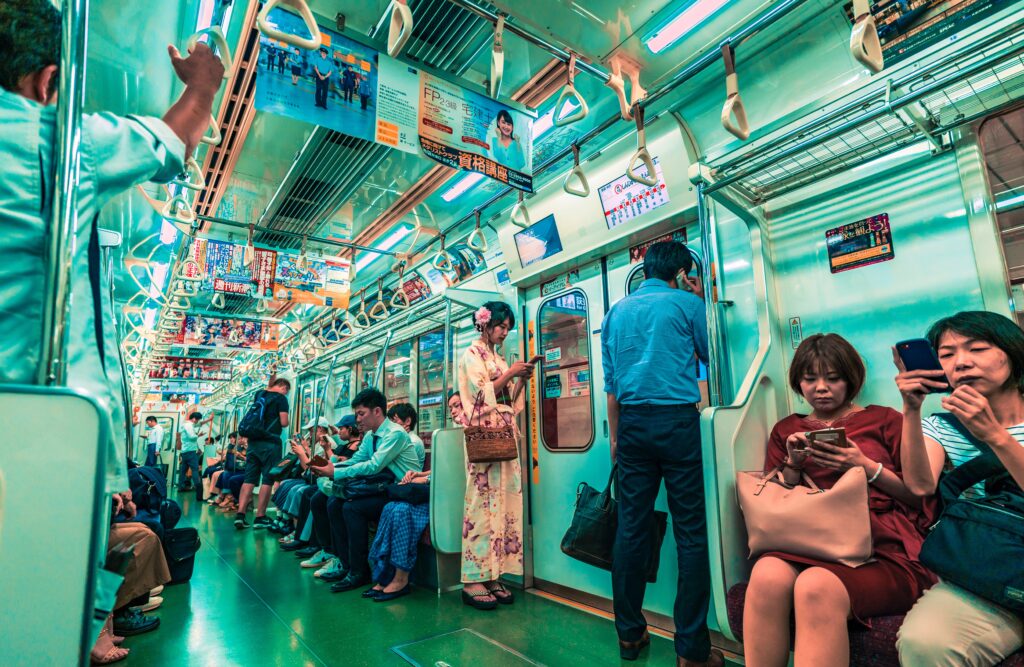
{"x": 796, "y": 332}
{"x": 861, "y": 243}
{"x": 553, "y": 386}
{"x": 552, "y": 354}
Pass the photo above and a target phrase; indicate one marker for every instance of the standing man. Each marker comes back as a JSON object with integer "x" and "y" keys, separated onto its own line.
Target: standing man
{"x": 189, "y": 442}
{"x": 154, "y": 440}
{"x": 270, "y": 414}
{"x": 323, "y": 69}
{"x": 651, "y": 341}
{"x": 348, "y": 83}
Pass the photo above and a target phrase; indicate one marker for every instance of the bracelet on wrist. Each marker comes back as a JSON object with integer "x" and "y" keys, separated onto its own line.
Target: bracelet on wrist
{"x": 871, "y": 480}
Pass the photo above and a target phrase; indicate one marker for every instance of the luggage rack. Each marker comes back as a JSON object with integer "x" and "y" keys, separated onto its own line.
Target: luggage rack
{"x": 920, "y": 105}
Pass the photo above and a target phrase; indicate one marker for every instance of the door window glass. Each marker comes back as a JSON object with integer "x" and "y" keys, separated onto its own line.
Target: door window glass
{"x": 397, "y": 369}
{"x": 366, "y": 367}
{"x": 567, "y": 418}
{"x": 430, "y": 385}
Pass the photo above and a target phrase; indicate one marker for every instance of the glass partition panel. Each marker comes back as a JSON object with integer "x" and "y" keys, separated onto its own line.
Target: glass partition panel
{"x": 567, "y": 416}
{"x": 430, "y": 384}
{"x": 365, "y": 369}
{"x": 397, "y": 373}
{"x": 342, "y": 393}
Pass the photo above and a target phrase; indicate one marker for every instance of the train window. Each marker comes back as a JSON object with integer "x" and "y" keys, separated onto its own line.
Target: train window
{"x": 397, "y": 373}
{"x": 366, "y": 367}
{"x": 567, "y": 414}
{"x": 430, "y": 384}
{"x": 636, "y": 276}
{"x": 342, "y": 393}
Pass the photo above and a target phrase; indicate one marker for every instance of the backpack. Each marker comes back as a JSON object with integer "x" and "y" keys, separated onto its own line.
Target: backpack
{"x": 254, "y": 424}
{"x": 149, "y": 488}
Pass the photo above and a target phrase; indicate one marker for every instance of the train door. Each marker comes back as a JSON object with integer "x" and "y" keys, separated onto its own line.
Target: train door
{"x": 167, "y": 454}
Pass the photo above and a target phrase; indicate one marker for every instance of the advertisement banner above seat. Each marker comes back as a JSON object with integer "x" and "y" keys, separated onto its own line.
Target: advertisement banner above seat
{"x": 353, "y": 89}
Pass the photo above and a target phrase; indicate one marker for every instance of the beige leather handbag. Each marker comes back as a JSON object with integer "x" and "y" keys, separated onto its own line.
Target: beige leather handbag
{"x": 831, "y": 525}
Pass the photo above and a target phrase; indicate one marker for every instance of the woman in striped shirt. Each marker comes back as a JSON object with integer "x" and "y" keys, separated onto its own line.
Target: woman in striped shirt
{"x": 982, "y": 356}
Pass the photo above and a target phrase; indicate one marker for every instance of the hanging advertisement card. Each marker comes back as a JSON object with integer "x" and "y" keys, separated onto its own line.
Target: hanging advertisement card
{"x": 321, "y": 281}
{"x": 638, "y": 252}
{"x": 216, "y": 332}
{"x": 229, "y": 275}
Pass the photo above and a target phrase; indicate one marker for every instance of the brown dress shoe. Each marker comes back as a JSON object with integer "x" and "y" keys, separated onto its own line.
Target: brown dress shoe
{"x": 716, "y": 659}
{"x": 631, "y": 650}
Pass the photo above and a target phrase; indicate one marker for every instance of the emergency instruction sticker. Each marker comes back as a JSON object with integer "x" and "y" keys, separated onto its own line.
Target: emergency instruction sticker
{"x": 858, "y": 244}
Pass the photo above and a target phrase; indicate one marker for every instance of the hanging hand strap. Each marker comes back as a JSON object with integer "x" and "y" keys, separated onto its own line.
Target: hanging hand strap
{"x": 642, "y": 155}
{"x": 569, "y": 93}
{"x": 497, "y": 57}
{"x": 520, "y": 215}
{"x": 216, "y": 36}
{"x": 309, "y": 43}
{"x": 865, "y": 46}
{"x": 733, "y": 104}
{"x": 476, "y": 239}
{"x": 583, "y": 188}
{"x": 400, "y": 29}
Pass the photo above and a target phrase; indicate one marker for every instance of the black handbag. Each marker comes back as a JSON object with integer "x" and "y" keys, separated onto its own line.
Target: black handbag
{"x": 591, "y": 535}
{"x": 366, "y": 485}
{"x": 283, "y": 467}
{"x": 978, "y": 543}
{"x": 414, "y": 494}
{"x": 180, "y": 547}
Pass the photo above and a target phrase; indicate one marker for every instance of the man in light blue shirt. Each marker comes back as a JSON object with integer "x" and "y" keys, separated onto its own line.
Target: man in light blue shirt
{"x": 386, "y": 452}
{"x": 650, "y": 343}
{"x": 191, "y": 437}
{"x": 116, "y": 154}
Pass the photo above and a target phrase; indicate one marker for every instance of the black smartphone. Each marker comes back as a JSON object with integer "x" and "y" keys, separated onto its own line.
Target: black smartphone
{"x": 917, "y": 354}
{"x": 831, "y": 436}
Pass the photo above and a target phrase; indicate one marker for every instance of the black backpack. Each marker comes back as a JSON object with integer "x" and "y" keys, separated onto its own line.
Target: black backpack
{"x": 149, "y": 488}
{"x": 256, "y": 424}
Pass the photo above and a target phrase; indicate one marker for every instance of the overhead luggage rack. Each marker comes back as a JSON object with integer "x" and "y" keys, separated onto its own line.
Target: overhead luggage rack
{"x": 923, "y": 103}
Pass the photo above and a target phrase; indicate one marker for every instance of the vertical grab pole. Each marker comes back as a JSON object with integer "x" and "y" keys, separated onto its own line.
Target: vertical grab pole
{"x": 446, "y": 368}
{"x": 60, "y": 241}
{"x": 708, "y": 247}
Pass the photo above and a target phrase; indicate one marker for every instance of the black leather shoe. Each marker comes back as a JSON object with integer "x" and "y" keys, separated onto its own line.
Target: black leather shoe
{"x": 307, "y": 551}
{"x": 134, "y": 622}
{"x": 384, "y": 597}
{"x": 337, "y": 575}
{"x": 350, "y": 583}
{"x": 295, "y": 545}
{"x": 372, "y": 593}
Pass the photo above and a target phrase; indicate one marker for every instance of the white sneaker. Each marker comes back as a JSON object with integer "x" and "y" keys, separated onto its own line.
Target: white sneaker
{"x": 156, "y": 591}
{"x": 154, "y": 602}
{"x": 332, "y": 566}
{"x": 319, "y": 559}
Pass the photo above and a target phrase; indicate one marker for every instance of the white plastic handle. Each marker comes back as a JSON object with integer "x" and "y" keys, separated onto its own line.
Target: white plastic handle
{"x": 583, "y": 189}
{"x": 362, "y": 319}
{"x": 344, "y": 330}
{"x": 520, "y": 215}
{"x": 216, "y": 36}
{"x": 234, "y": 336}
{"x": 379, "y": 311}
{"x": 865, "y": 46}
{"x": 497, "y": 58}
{"x": 476, "y": 240}
{"x": 190, "y": 265}
{"x": 399, "y": 299}
{"x": 183, "y": 289}
{"x": 733, "y": 103}
{"x": 194, "y": 179}
{"x": 261, "y": 306}
{"x": 218, "y": 301}
{"x": 178, "y": 209}
{"x": 442, "y": 261}
{"x": 180, "y": 304}
{"x": 568, "y": 93}
{"x": 300, "y": 6}
{"x": 400, "y": 29}
{"x": 213, "y": 138}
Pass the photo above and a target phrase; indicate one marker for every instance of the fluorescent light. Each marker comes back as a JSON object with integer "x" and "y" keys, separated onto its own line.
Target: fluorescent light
{"x": 689, "y": 18}
{"x": 168, "y": 232}
{"x": 159, "y": 280}
{"x": 468, "y": 181}
{"x": 149, "y": 319}
{"x": 544, "y": 124}
{"x": 387, "y": 243}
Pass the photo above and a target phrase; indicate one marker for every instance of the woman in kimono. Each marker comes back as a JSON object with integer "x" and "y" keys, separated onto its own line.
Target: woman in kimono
{"x": 492, "y": 529}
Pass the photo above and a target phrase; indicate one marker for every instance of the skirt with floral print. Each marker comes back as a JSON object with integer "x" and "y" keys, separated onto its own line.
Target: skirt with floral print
{"x": 492, "y": 522}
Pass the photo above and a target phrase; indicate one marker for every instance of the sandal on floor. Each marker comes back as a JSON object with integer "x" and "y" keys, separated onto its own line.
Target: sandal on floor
{"x": 115, "y": 654}
{"x": 473, "y": 600}
{"x": 506, "y": 598}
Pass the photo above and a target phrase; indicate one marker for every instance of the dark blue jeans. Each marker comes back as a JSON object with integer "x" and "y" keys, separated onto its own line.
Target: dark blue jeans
{"x": 655, "y": 443}
{"x": 151, "y": 454}
{"x": 190, "y": 460}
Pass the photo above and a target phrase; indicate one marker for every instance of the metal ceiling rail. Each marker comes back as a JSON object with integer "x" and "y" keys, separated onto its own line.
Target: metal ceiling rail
{"x": 558, "y": 52}
{"x": 311, "y": 239}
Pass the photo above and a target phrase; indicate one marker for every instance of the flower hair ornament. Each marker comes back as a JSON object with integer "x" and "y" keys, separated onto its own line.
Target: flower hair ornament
{"x": 482, "y": 316}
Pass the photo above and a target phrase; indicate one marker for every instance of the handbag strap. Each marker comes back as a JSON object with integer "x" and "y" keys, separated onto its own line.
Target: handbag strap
{"x": 478, "y": 402}
{"x": 776, "y": 473}
{"x": 979, "y": 469}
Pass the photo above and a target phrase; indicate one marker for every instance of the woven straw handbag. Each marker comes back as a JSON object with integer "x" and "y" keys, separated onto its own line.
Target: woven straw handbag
{"x": 487, "y": 444}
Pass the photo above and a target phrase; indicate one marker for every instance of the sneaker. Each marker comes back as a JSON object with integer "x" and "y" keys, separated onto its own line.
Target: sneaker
{"x": 331, "y": 570}
{"x": 240, "y": 522}
{"x": 318, "y": 560}
{"x": 133, "y": 622}
{"x": 154, "y": 602}
{"x": 260, "y": 522}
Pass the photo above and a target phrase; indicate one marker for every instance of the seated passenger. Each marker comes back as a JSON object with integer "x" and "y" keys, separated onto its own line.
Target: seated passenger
{"x": 456, "y": 410}
{"x": 824, "y": 596}
{"x": 147, "y": 569}
{"x": 982, "y": 355}
{"x": 405, "y": 416}
{"x": 222, "y": 457}
{"x": 393, "y": 553}
{"x": 387, "y": 449}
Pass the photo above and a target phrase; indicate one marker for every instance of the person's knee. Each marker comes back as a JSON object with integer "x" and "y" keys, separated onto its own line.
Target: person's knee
{"x": 924, "y": 642}
{"x": 821, "y": 594}
{"x": 771, "y": 582}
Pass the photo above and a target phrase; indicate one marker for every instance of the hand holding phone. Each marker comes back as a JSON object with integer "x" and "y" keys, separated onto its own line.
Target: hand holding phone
{"x": 920, "y": 370}
{"x": 536, "y": 359}
{"x": 835, "y": 437}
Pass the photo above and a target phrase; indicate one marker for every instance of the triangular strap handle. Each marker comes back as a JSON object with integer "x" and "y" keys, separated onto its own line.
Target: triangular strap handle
{"x": 569, "y": 93}
{"x": 193, "y": 176}
{"x": 309, "y": 43}
{"x": 218, "y": 300}
{"x": 733, "y": 104}
{"x": 178, "y": 209}
{"x": 190, "y": 266}
{"x": 180, "y": 304}
{"x": 361, "y": 318}
{"x": 520, "y": 215}
{"x": 476, "y": 240}
{"x": 344, "y": 330}
{"x": 400, "y": 29}
{"x": 217, "y": 39}
{"x": 583, "y": 189}
{"x": 261, "y": 306}
{"x": 865, "y": 46}
{"x": 399, "y": 299}
{"x": 497, "y": 58}
{"x": 379, "y": 311}
{"x": 642, "y": 155}
{"x": 442, "y": 260}
{"x": 214, "y": 137}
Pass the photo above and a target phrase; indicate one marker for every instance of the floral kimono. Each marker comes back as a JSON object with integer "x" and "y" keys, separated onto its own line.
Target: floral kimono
{"x": 492, "y": 524}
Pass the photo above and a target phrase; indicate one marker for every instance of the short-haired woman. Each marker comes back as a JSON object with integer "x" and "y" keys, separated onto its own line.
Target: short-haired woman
{"x": 824, "y": 596}
{"x": 492, "y": 528}
{"x": 982, "y": 357}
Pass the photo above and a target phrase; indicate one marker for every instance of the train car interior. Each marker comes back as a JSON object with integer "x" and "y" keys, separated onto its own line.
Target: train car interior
{"x": 371, "y": 179}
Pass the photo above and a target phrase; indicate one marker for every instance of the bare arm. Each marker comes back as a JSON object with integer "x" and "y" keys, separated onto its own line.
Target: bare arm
{"x": 921, "y": 458}
{"x": 202, "y": 73}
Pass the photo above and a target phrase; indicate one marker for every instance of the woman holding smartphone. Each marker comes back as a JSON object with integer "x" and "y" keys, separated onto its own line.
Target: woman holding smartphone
{"x": 824, "y": 596}
{"x": 982, "y": 356}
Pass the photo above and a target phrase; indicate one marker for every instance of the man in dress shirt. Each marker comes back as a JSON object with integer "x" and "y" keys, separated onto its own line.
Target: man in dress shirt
{"x": 650, "y": 343}
{"x": 154, "y": 440}
{"x": 191, "y": 437}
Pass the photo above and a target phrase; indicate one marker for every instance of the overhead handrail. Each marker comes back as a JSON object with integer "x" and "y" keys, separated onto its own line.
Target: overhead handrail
{"x": 309, "y": 43}
{"x": 568, "y": 93}
{"x": 520, "y": 215}
{"x": 642, "y": 155}
{"x": 400, "y": 29}
{"x": 442, "y": 260}
{"x": 865, "y": 46}
{"x": 476, "y": 240}
{"x": 583, "y": 189}
{"x": 178, "y": 209}
{"x": 618, "y": 84}
{"x": 216, "y": 36}
{"x": 497, "y": 58}
{"x": 379, "y": 311}
{"x": 193, "y": 176}
{"x": 362, "y": 318}
{"x": 733, "y": 103}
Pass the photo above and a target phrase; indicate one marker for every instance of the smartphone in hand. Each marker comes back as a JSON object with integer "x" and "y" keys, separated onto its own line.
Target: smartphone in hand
{"x": 917, "y": 354}
{"x": 832, "y": 436}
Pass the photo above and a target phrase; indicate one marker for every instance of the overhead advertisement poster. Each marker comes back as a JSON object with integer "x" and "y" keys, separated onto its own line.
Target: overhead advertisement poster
{"x": 217, "y": 332}
{"x": 226, "y": 267}
{"x": 351, "y": 88}
{"x": 318, "y": 281}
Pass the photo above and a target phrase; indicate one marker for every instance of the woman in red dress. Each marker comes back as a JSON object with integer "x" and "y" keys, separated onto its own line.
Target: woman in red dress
{"x": 823, "y": 596}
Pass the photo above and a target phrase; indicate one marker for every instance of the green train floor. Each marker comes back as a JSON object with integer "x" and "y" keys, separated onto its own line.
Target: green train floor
{"x": 250, "y": 604}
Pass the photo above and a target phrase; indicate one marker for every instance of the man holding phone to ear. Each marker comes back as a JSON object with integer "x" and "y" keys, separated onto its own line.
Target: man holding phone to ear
{"x": 648, "y": 342}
